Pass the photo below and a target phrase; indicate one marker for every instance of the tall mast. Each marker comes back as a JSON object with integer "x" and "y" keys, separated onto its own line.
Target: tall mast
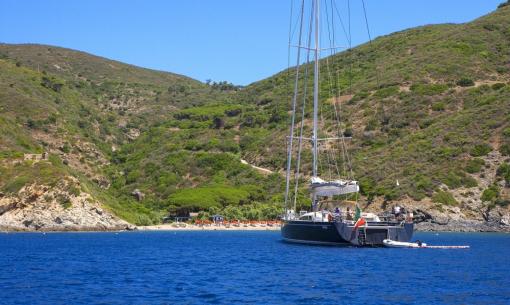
{"x": 316, "y": 87}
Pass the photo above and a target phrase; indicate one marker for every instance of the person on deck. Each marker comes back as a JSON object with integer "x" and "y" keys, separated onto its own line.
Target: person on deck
{"x": 348, "y": 215}
{"x": 396, "y": 211}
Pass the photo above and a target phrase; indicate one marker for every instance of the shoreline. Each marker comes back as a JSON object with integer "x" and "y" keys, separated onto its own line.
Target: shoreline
{"x": 192, "y": 227}
{"x": 453, "y": 227}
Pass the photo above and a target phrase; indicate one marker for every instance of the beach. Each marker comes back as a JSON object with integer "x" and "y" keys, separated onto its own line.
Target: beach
{"x": 212, "y": 227}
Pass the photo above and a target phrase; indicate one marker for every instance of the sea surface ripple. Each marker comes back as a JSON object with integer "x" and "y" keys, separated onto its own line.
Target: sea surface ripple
{"x": 247, "y": 268}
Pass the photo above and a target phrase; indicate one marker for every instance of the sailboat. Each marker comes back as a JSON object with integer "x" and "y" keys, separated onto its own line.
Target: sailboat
{"x": 332, "y": 201}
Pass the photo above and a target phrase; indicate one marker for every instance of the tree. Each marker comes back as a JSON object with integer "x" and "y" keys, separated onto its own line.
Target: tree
{"x": 504, "y": 4}
{"x": 465, "y": 82}
{"x": 218, "y": 123}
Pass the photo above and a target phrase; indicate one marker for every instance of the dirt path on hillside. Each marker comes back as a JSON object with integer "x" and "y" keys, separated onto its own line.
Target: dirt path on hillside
{"x": 259, "y": 169}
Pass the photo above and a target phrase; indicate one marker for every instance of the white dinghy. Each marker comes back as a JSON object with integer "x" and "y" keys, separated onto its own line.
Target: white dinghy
{"x": 399, "y": 244}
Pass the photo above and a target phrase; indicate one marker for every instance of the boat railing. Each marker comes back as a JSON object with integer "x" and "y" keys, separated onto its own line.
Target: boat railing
{"x": 385, "y": 222}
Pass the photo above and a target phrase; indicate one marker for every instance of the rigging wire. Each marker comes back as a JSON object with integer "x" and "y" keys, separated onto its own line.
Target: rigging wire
{"x": 294, "y": 98}
{"x": 303, "y": 110}
{"x": 332, "y": 155}
{"x": 288, "y": 81}
{"x": 370, "y": 39}
{"x": 336, "y": 82}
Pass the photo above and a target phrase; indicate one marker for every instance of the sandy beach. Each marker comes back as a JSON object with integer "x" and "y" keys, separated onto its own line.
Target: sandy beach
{"x": 193, "y": 227}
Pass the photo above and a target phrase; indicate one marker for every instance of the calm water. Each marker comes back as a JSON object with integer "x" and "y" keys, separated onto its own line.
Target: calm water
{"x": 246, "y": 267}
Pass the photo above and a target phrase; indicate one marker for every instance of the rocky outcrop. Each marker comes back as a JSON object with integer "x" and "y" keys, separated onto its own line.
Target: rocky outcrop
{"x": 63, "y": 207}
{"x": 455, "y": 219}
{"x": 474, "y": 217}
{"x": 138, "y": 195}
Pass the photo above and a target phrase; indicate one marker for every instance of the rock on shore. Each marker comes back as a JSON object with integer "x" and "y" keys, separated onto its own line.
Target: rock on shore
{"x": 454, "y": 220}
{"x": 63, "y": 207}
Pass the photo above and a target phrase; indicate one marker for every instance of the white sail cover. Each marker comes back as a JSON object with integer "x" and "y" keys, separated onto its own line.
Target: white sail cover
{"x": 320, "y": 187}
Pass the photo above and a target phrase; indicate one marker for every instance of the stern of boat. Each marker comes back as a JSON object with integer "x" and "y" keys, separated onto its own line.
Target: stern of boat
{"x": 373, "y": 234}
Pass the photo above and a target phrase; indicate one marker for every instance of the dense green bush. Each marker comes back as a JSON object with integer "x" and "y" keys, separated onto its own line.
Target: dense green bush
{"x": 480, "y": 150}
{"x": 51, "y": 83}
{"x": 386, "y": 92}
{"x": 439, "y": 106}
{"x": 64, "y": 201}
{"x": 444, "y": 198}
{"x": 429, "y": 89}
{"x": 14, "y": 185}
{"x": 506, "y": 132}
{"x": 465, "y": 82}
{"x": 474, "y": 165}
{"x": 490, "y": 194}
{"x": 504, "y": 172}
{"x": 498, "y": 86}
{"x": 203, "y": 198}
{"x": 456, "y": 179}
{"x": 505, "y": 149}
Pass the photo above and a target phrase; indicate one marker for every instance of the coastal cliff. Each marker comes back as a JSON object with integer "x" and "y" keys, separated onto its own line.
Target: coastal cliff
{"x": 62, "y": 207}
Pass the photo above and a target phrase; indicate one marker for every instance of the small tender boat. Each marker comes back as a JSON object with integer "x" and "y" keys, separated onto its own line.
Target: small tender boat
{"x": 400, "y": 244}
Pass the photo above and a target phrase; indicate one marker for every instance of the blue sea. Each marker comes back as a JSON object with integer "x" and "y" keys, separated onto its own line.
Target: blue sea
{"x": 247, "y": 268}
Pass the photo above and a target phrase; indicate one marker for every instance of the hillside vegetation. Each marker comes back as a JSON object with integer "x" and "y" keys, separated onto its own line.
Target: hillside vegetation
{"x": 429, "y": 107}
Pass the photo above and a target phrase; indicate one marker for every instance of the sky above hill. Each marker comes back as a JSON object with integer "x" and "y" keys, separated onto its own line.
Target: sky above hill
{"x": 238, "y": 41}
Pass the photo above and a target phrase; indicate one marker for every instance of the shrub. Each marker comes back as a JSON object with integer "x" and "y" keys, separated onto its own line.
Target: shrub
{"x": 444, "y": 198}
{"x": 75, "y": 191}
{"x": 429, "y": 89}
{"x": 64, "y": 201}
{"x": 66, "y": 148}
{"x": 505, "y": 149}
{"x": 504, "y": 172}
{"x": 480, "y": 150}
{"x": 506, "y": 132}
{"x": 371, "y": 125}
{"x": 452, "y": 180}
{"x": 218, "y": 123}
{"x": 133, "y": 176}
{"x": 465, "y": 82}
{"x": 233, "y": 212}
{"x": 359, "y": 96}
{"x": 474, "y": 166}
{"x": 422, "y": 182}
{"x": 16, "y": 184}
{"x": 490, "y": 27}
{"x": 367, "y": 186}
{"x": 490, "y": 194}
{"x": 498, "y": 86}
{"x": 439, "y": 106}
{"x": 33, "y": 124}
{"x": 386, "y": 92}
{"x": 51, "y": 83}
{"x": 468, "y": 181}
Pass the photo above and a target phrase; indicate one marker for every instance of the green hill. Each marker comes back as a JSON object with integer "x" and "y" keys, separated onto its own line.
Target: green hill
{"x": 425, "y": 102}
{"x": 429, "y": 107}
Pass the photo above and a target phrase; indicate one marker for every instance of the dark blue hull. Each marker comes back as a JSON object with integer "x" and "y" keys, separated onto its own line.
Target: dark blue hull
{"x": 308, "y": 232}
{"x": 343, "y": 234}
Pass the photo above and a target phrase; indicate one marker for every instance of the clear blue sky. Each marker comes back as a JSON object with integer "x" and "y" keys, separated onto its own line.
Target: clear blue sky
{"x": 241, "y": 41}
